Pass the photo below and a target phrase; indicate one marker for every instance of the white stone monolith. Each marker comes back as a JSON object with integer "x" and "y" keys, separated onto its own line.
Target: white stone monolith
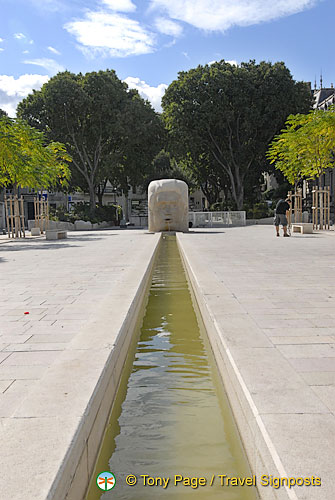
{"x": 168, "y": 205}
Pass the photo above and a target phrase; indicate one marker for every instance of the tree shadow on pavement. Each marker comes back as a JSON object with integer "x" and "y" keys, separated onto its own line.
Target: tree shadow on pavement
{"x": 46, "y": 246}
{"x": 87, "y": 237}
{"x": 42, "y": 244}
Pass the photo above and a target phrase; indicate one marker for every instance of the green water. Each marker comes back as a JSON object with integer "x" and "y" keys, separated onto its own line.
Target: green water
{"x": 171, "y": 415}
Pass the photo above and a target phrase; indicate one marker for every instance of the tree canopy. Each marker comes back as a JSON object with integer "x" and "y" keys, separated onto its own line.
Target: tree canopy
{"x": 166, "y": 167}
{"x": 110, "y": 132}
{"x": 305, "y": 148}
{"x": 222, "y": 117}
{"x": 27, "y": 159}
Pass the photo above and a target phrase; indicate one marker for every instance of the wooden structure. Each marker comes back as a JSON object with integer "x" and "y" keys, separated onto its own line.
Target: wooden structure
{"x": 321, "y": 208}
{"x": 295, "y": 212}
{"x": 14, "y": 211}
{"x": 41, "y": 208}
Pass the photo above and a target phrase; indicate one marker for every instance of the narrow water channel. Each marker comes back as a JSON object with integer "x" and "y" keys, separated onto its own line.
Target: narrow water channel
{"x": 171, "y": 415}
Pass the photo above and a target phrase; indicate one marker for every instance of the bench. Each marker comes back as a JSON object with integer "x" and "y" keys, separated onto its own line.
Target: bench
{"x": 55, "y": 234}
{"x": 35, "y": 231}
{"x": 302, "y": 227}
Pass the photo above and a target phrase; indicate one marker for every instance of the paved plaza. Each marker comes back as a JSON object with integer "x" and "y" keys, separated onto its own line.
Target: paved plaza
{"x": 78, "y": 293}
{"x": 272, "y": 299}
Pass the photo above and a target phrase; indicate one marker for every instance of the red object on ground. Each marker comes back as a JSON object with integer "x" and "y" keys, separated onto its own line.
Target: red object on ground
{"x": 26, "y": 312}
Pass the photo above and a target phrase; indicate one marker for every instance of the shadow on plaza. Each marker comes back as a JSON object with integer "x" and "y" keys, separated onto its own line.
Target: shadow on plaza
{"x": 46, "y": 246}
{"x": 43, "y": 244}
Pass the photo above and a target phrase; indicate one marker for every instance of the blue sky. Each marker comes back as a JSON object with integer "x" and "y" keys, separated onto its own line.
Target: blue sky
{"x": 148, "y": 42}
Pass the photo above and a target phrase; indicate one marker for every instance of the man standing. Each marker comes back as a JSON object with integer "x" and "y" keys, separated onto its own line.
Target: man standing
{"x": 281, "y": 215}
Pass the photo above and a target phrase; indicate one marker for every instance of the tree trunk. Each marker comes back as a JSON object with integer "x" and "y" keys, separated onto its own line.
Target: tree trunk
{"x": 92, "y": 198}
{"x": 240, "y": 198}
{"x": 211, "y": 191}
{"x": 100, "y": 196}
{"x": 237, "y": 191}
{"x": 17, "y": 220}
{"x": 126, "y": 211}
{"x": 101, "y": 191}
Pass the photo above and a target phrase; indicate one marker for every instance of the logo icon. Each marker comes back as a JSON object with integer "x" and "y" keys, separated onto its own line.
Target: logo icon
{"x": 105, "y": 481}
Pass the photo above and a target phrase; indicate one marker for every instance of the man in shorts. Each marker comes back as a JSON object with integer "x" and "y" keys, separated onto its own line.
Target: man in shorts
{"x": 281, "y": 215}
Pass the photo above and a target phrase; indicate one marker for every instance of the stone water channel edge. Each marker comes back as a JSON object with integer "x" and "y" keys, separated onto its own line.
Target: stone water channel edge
{"x": 171, "y": 426}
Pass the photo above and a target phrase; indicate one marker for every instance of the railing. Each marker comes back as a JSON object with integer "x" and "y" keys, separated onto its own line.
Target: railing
{"x": 217, "y": 219}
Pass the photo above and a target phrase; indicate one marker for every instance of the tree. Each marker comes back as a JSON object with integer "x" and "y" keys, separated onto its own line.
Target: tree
{"x": 92, "y": 114}
{"x": 143, "y": 138}
{"x": 223, "y": 117}
{"x": 165, "y": 167}
{"x": 27, "y": 160}
{"x": 2, "y": 113}
{"x": 305, "y": 149}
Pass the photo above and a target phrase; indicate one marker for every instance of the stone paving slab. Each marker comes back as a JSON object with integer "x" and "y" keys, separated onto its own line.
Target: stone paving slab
{"x": 273, "y": 303}
{"x": 78, "y": 294}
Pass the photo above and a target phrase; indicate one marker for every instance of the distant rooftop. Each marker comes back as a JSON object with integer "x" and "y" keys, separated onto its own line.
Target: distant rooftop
{"x": 324, "y": 97}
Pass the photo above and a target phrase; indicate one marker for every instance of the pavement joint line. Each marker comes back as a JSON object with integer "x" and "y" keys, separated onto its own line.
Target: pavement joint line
{"x": 9, "y": 386}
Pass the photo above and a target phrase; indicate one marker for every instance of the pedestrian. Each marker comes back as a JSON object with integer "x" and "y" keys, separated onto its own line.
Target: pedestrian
{"x": 283, "y": 206}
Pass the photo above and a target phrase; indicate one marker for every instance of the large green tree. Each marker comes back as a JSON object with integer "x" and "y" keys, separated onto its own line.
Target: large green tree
{"x": 143, "y": 138}
{"x": 305, "y": 148}
{"x": 166, "y": 167}
{"x": 222, "y": 117}
{"x": 100, "y": 121}
{"x": 27, "y": 159}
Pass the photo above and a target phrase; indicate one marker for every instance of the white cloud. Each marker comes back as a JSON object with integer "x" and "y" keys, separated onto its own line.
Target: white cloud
{"x": 50, "y": 65}
{"x": 111, "y": 34}
{"x": 152, "y": 94}
{"x": 1, "y": 40}
{"x": 120, "y": 5}
{"x": 25, "y": 52}
{"x": 1, "y": 49}
{"x": 19, "y": 36}
{"x": 49, "y": 5}
{"x": 232, "y": 62}
{"x": 12, "y": 90}
{"x": 222, "y": 14}
{"x": 168, "y": 27}
{"x": 54, "y": 51}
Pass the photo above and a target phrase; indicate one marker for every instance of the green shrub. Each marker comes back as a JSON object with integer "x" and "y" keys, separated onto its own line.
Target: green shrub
{"x": 260, "y": 210}
{"x": 109, "y": 213}
{"x": 81, "y": 211}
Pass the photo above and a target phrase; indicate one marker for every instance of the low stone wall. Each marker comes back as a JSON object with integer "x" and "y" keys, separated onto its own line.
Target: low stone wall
{"x": 269, "y": 220}
{"x": 265, "y": 221}
{"x": 79, "y": 225}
